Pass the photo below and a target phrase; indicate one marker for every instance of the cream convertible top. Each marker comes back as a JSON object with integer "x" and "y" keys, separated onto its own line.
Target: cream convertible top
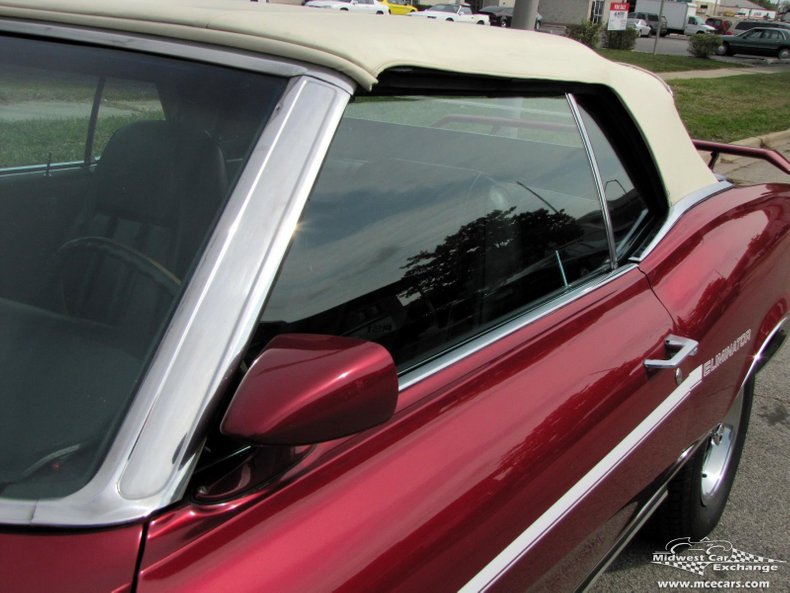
{"x": 362, "y": 46}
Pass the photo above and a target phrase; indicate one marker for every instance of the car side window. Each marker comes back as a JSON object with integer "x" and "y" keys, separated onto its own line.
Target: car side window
{"x": 51, "y": 129}
{"x": 435, "y": 219}
{"x": 56, "y": 128}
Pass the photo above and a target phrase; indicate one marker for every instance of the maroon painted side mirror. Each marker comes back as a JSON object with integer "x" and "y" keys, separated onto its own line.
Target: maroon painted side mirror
{"x": 306, "y": 389}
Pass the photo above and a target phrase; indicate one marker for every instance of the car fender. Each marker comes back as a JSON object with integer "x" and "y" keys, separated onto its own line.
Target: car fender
{"x": 715, "y": 272}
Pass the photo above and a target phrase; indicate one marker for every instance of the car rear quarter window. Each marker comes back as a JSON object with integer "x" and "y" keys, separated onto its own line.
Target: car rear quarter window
{"x": 628, "y": 203}
{"x": 435, "y": 219}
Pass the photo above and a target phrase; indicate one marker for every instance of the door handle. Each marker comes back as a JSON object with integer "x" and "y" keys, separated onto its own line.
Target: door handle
{"x": 685, "y": 347}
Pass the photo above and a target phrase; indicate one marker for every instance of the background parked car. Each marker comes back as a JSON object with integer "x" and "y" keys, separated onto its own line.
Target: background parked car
{"x": 722, "y": 25}
{"x": 742, "y": 26}
{"x": 399, "y": 6}
{"x": 461, "y": 13}
{"x": 652, "y": 20}
{"x": 369, "y": 6}
{"x": 759, "y": 41}
{"x": 640, "y": 25}
{"x": 502, "y": 16}
{"x": 696, "y": 26}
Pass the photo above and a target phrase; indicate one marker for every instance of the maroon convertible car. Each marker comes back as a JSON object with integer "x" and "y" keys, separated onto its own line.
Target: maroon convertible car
{"x": 301, "y": 301}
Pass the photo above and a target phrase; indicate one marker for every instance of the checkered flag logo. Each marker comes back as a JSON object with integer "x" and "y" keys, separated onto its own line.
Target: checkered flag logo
{"x": 696, "y": 566}
{"x": 746, "y": 558}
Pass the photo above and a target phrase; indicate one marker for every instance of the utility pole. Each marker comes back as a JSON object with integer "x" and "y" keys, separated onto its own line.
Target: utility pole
{"x": 524, "y": 14}
{"x": 658, "y": 32}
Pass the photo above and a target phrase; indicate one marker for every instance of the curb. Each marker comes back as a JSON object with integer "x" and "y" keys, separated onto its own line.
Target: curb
{"x": 774, "y": 140}
{"x": 766, "y": 140}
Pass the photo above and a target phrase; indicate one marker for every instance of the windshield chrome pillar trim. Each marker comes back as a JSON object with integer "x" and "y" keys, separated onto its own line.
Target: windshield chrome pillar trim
{"x": 151, "y": 459}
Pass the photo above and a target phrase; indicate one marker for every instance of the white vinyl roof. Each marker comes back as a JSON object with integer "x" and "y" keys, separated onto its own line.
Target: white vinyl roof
{"x": 362, "y": 46}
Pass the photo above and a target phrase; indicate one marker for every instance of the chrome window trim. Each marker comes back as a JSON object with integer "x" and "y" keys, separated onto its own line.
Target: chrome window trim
{"x": 484, "y": 340}
{"x": 488, "y": 576}
{"x": 151, "y": 457}
{"x": 193, "y": 51}
{"x": 679, "y": 209}
{"x": 599, "y": 187}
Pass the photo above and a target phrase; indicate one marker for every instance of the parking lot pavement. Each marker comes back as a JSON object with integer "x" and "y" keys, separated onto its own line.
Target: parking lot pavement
{"x": 755, "y": 519}
{"x": 677, "y": 45}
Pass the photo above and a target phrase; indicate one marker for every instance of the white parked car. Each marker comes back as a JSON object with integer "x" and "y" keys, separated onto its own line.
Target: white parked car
{"x": 640, "y": 25}
{"x": 461, "y": 13}
{"x": 696, "y": 26}
{"x": 370, "y": 6}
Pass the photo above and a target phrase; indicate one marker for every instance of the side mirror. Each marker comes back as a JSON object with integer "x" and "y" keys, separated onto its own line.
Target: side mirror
{"x": 305, "y": 389}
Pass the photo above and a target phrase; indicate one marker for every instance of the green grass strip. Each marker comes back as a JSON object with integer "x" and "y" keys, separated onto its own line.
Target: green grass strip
{"x": 734, "y": 107}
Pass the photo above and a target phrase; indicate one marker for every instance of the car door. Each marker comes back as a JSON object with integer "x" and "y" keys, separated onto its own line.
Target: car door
{"x": 528, "y": 432}
{"x": 365, "y": 6}
{"x": 771, "y": 40}
{"x": 750, "y": 42}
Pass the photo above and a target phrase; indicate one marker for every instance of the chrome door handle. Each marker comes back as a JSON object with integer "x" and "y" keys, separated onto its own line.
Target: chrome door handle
{"x": 686, "y": 347}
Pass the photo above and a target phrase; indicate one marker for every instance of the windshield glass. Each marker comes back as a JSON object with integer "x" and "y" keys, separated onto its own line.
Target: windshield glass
{"x": 114, "y": 167}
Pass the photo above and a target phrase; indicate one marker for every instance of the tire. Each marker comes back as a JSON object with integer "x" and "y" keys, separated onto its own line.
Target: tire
{"x": 451, "y": 20}
{"x": 784, "y": 53}
{"x": 697, "y": 496}
{"x": 480, "y": 23}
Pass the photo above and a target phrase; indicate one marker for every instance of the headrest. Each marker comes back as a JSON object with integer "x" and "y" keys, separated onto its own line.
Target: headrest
{"x": 146, "y": 167}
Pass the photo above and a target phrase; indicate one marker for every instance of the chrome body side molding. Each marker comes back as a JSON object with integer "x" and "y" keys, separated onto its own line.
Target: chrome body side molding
{"x": 533, "y": 534}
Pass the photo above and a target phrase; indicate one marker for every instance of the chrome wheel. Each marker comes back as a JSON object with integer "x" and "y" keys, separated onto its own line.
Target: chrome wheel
{"x": 696, "y": 497}
{"x": 719, "y": 450}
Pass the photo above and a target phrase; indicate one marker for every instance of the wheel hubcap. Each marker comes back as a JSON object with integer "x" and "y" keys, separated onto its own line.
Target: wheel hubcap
{"x": 719, "y": 451}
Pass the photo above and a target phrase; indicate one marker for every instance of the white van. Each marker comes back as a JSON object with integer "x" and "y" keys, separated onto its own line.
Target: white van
{"x": 695, "y": 25}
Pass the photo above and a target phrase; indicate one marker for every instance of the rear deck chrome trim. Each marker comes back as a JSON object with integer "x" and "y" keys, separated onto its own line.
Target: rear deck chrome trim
{"x": 679, "y": 209}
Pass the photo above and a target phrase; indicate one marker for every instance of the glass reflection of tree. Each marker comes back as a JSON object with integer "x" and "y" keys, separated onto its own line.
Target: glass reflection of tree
{"x": 488, "y": 252}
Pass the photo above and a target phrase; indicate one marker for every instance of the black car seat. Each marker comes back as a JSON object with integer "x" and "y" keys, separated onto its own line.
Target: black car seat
{"x": 157, "y": 189}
